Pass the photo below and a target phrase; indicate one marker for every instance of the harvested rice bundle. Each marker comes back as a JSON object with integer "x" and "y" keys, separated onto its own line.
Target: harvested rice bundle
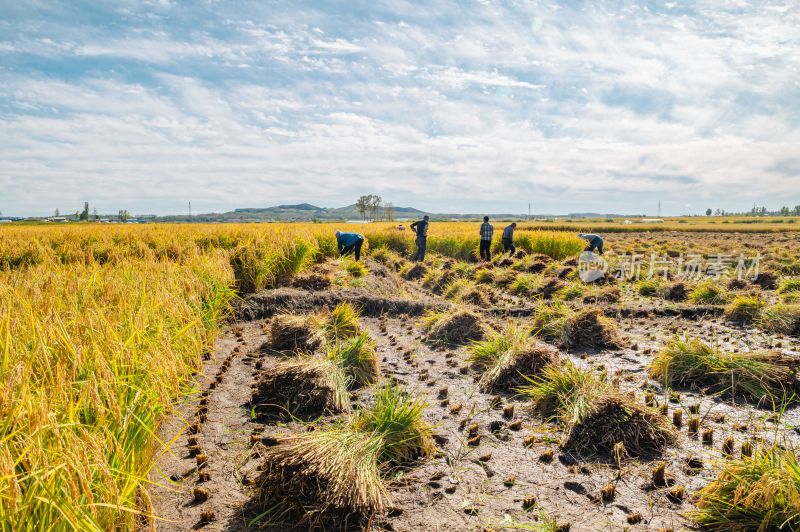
{"x": 306, "y": 333}
{"x": 305, "y": 388}
{"x": 358, "y": 358}
{"x": 397, "y": 417}
{"x": 571, "y": 329}
{"x": 415, "y": 272}
{"x": 767, "y": 376}
{"x": 458, "y": 326}
{"x": 594, "y": 415}
{"x": 290, "y": 332}
{"x": 755, "y": 493}
{"x": 325, "y": 479}
{"x": 334, "y": 478}
{"x": 744, "y": 309}
{"x": 506, "y": 358}
{"x": 612, "y": 418}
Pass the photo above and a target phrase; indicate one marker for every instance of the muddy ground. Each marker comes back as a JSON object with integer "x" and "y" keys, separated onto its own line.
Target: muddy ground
{"x": 465, "y": 487}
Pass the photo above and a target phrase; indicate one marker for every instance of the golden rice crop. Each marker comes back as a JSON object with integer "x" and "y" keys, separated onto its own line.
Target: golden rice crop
{"x": 101, "y": 328}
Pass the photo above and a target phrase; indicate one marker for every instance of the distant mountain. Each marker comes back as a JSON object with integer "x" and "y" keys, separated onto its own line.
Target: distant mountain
{"x": 282, "y": 208}
{"x": 308, "y": 212}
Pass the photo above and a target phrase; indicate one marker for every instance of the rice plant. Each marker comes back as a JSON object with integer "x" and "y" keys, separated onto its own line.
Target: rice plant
{"x": 328, "y": 477}
{"x": 744, "y": 310}
{"x": 596, "y": 417}
{"x": 781, "y": 318}
{"x": 342, "y": 322}
{"x": 760, "y": 493}
{"x": 357, "y": 358}
{"x": 709, "y": 293}
{"x": 759, "y": 376}
{"x": 396, "y": 417}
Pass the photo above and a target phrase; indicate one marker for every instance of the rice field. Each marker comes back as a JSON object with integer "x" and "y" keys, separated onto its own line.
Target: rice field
{"x": 119, "y": 344}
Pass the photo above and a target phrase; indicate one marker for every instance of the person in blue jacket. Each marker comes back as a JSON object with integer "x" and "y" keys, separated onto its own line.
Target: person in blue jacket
{"x": 595, "y": 242}
{"x": 349, "y": 243}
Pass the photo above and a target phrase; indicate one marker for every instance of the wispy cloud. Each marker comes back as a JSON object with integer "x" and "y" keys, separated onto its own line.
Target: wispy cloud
{"x": 574, "y": 106}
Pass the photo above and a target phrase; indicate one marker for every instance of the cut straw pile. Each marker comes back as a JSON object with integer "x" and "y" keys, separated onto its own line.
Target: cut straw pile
{"x": 576, "y": 329}
{"x": 309, "y": 386}
{"x": 334, "y": 478}
{"x": 507, "y": 358}
{"x": 766, "y": 377}
{"x": 594, "y": 415}
{"x": 454, "y": 327}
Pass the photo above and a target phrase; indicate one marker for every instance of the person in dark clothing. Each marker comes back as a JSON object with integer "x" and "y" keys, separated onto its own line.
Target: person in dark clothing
{"x": 420, "y": 227}
{"x": 595, "y": 242}
{"x": 487, "y": 231}
{"x": 508, "y": 238}
{"x": 349, "y": 243}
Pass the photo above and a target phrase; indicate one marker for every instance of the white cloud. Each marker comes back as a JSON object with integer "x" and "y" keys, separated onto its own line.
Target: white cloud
{"x": 576, "y": 109}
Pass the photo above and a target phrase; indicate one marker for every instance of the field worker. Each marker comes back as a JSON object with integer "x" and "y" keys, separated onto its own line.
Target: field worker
{"x": 420, "y": 227}
{"x": 487, "y": 231}
{"x": 508, "y": 238}
{"x": 595, "y": 242}
{"x": 349, "y": 242}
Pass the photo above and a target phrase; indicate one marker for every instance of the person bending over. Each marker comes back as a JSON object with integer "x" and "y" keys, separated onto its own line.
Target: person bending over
{"x": 349, "y": 243}
{"x": 595, "y": 242}
{"x": 508, "y": 238}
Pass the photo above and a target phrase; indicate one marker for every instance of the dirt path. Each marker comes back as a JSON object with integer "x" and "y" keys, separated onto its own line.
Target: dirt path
{"x": 224, "y": 439}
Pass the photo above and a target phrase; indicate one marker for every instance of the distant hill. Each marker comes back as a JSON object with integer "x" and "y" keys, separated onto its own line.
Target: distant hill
{"x": 308, "y": 212}
{"x": 298, "y": 212}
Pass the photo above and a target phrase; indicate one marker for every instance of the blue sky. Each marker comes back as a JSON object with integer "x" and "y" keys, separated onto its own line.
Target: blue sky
{"x": 470, "y": 106}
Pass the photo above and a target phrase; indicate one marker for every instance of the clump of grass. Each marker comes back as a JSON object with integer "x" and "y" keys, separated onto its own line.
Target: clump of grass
{"x": 595, "y": 416}
{"x": 355, "y": 268}
{"x": 789, "y": 287}
{"x": 507, "y": 357}
{"x": 437, "y": 280}
{"x": 709, "y": 293}
{"x": 358, "y": 358}
{"x": 755, "y": 493}
{"x": 760, "y": 376}
{"x": 483, "y": 276}
{"x": 329, "y": 477}
{"x": 397, "y": 417}
{"x": 457, "y": 326}
{"x": 744, "y": 309}
{"x": 781, "y": 318}
{"x": 650, "y": 287}
{"x": 576, "y": 329}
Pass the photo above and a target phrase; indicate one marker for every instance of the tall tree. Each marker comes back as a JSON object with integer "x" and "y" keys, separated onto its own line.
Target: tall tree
{"x": 708, "y": 212}
{"x": 388, "y": 211}
{"x": 374, "y": 206}
{"x": 84, "y": 216}
{"x": 362, "y": 205}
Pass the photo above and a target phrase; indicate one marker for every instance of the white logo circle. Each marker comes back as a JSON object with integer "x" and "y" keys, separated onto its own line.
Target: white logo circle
{"x": 591, "y": 267}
